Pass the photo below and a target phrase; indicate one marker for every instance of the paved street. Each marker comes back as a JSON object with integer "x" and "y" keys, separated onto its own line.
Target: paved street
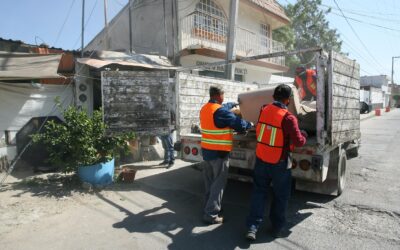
{"x": 162, "y": 208}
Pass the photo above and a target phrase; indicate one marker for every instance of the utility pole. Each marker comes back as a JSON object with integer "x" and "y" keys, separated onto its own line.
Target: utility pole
{"x": 231, "y": 44}
{"x": 130, "y": 27}
{"x": 393, "y": 57}
{"x": 83, "y": 26}
{"x": 105, "y": 25}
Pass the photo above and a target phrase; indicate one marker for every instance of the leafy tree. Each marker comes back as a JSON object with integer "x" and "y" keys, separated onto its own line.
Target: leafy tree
{"x": 308, "y": 28}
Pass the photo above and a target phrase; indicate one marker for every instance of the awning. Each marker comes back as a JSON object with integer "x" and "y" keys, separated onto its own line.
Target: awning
{"x": 104, "y": 58}
{"x": 18, "y": 66}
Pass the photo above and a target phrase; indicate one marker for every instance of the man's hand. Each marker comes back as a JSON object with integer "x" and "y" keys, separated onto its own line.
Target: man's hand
{"x": 304, "y": 133}
{"x": 236, "y": 111}
{"x": 235, "y": 104}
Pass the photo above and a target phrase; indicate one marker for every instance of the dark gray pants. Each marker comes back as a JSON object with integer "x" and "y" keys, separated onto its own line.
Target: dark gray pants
{"x": 215, "y": 173}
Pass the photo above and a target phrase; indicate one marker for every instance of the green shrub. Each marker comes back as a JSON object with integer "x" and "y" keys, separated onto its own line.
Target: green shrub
{"x": 81, "y": 140}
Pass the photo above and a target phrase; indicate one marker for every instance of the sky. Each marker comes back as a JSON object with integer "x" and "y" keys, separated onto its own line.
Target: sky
{"x": 371, "y": 34}
{"x": 370, "y": 31}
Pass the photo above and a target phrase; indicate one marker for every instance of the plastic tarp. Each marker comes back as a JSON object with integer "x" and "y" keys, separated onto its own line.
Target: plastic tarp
{"x": 17, "y": 66}
{"x": 22, "y": 101}
{"x": 275, "y": 79}
{"x": 105, "y": 58}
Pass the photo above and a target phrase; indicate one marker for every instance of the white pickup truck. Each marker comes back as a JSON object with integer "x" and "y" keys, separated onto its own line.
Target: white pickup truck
{"x": 320, "y": 165}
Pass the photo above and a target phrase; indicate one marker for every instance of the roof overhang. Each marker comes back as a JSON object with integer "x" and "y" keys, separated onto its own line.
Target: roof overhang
{"x": 20, "y": 66}
{"x": 107, "y": 58}
{"x": 275, "y": 68}
{"x": 272, "y": 9}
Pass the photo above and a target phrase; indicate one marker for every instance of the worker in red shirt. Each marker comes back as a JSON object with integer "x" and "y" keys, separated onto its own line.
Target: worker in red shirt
{"x": 277, "y": 132}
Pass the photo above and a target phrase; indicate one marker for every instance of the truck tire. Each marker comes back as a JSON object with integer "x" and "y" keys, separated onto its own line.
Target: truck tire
{"x": 341, "y": 170}
{"x": 352, "y": 152}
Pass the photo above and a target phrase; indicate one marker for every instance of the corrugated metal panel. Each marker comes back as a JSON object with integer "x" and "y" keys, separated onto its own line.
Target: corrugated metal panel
{"x": 134, "y": 60}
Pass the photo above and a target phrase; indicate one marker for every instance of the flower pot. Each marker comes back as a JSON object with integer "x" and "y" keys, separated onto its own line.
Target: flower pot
{"x": 128, "y": 175}
{"x": 98, "y": 174}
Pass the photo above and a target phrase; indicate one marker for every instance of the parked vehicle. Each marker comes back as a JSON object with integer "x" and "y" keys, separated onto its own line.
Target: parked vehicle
{"x": 364, "y": 108}
{"x": 320, "y": 165}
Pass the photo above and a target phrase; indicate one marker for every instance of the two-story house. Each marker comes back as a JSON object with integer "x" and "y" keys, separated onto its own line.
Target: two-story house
{"x": 375, "y": 90}
{"x": 195, "y": 33}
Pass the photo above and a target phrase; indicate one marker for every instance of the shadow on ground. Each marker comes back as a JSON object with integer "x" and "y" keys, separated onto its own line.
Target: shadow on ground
{"x": 179, "y": 217}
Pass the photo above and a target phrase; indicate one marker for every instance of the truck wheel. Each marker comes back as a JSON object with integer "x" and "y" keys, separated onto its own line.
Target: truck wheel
{"x": 341, "y": 178}
{"x": 352, "y": 153}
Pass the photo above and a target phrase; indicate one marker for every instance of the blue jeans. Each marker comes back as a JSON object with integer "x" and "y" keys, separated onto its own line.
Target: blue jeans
{"x": 281, "y": 179}
{"x": 168, "y": 147}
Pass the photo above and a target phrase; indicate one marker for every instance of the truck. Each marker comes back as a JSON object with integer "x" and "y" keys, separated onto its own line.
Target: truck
{"x": 320, "y": 165}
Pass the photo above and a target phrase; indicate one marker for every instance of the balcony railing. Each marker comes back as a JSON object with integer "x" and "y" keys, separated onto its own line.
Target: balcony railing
{"x": 200, "y": 30}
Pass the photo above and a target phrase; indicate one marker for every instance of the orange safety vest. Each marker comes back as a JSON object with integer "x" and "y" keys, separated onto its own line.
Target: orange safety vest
{"x": 270, "y": 139}
{"x": 310, "y": 83}
{"x": 212, "y": 137}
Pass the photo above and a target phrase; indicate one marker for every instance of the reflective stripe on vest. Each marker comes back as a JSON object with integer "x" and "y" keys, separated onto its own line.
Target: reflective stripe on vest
{"x": 270, "y": 139}
{"x": 212, "y": 137}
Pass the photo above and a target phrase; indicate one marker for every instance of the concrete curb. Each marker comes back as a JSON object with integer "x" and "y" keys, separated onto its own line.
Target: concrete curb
{"x": 372, "y": 114}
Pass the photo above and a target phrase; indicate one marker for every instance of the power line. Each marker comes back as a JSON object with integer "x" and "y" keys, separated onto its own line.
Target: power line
{"x": 120, "y": 4}
{"x": 359, "y": 39}
{"x": 372, "y": 24}
{"x": 346, "y": 40}
{"x": 363, "y": 14}
{"x": 65, "y": 21}
{"x": 86, "y": 23}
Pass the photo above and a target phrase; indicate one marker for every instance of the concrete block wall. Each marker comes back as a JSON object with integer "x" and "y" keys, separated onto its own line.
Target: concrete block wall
{"x": 193, "y": 94}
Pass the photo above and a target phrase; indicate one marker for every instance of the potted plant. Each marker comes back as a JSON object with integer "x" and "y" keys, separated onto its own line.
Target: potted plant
{"x": 81, "y": 145}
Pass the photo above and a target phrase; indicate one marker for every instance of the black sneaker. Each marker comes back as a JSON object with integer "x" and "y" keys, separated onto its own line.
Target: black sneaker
{"x": 251, "y": 233}
{"x": 213, "y": 220}
{"x": 170, "y": 164}
{"x": 163, "y": 163}
{"x": 280, "y": 233}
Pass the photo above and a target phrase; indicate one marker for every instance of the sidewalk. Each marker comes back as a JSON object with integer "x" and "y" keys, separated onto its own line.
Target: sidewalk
{"x": 372, "y": 114}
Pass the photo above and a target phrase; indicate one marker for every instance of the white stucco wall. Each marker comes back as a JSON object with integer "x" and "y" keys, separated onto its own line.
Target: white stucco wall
{"x": 254, "y": 74}
{"x": 20, "y": 102}
{"x": 148, "y": 32}
{"x": 248, "y": 17}
{"x": 376, "y": 95}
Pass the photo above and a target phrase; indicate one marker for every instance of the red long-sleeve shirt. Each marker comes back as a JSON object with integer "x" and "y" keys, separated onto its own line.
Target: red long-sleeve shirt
{"x": 291, "y": 133}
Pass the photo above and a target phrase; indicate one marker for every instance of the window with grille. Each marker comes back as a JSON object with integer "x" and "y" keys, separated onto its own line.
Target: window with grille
{"x": 210, "y": 21}
{"x": 265, "y": 34}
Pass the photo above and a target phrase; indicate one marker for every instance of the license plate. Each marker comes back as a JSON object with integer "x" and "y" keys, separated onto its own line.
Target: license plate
{"x": 239, "y": 155}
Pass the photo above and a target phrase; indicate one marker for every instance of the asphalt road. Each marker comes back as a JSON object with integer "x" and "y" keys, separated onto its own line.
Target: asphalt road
{"x": 162, "y": 208}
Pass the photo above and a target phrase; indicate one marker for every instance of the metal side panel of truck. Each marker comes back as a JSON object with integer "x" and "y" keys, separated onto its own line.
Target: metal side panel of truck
{"x": 320, "y": 165}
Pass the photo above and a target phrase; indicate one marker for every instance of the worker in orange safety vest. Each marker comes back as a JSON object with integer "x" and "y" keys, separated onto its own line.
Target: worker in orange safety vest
{"x": 306, "y": 83}
{"x": 217, "y": 122}
{"x": 277, "y": 132}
